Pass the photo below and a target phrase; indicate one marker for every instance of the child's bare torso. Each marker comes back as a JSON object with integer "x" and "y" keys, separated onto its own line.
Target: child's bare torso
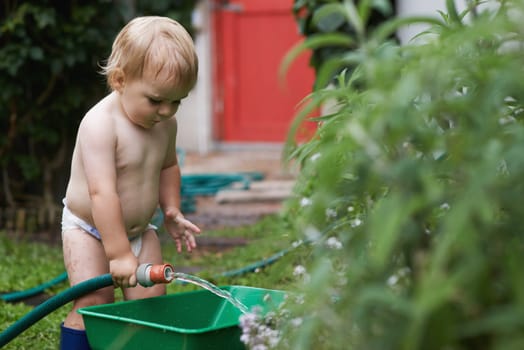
{"x": 139, "y": 156}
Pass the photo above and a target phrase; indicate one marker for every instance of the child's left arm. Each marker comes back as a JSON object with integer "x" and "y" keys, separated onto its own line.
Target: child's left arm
{"x": 181, "y": 229}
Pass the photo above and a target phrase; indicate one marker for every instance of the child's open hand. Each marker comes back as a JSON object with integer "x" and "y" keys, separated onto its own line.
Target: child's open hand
{"x": 181, "y": 229}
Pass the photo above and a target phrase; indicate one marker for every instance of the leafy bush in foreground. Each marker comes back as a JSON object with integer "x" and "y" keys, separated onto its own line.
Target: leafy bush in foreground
{"x": 411, "y": 188}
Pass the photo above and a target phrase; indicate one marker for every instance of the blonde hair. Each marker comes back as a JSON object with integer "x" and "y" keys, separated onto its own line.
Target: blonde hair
{"x": 153, "y": 44}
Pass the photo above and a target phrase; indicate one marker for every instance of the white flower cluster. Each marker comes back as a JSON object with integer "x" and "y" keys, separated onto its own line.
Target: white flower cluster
{"x": 331, "y": 213}
{"x": 257, "y": 333}
{"x": 445, "y": 206}
{"x": 305, "y": 202}
{"x": 401, "y": 274}
{"x": 333, "y": 243}
{"x": 300, "y": 271}
{"x": 356, "y": 222}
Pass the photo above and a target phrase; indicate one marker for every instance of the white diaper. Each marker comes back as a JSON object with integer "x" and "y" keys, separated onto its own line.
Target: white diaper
{"x": 71, "y": 221}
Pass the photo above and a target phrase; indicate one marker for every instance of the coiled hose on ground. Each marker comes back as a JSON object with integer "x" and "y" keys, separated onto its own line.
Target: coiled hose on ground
{"x": 209, "y": 184}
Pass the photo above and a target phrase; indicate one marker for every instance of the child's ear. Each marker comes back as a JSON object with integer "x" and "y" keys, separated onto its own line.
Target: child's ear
{"x": 117, "y": 80}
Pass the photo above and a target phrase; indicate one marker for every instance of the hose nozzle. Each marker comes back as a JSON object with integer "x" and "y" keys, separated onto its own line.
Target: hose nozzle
{"x": 149, "y": 274}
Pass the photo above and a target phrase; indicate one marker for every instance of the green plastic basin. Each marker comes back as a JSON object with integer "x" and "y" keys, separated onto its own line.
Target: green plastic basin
{"x": 189, "y": 320}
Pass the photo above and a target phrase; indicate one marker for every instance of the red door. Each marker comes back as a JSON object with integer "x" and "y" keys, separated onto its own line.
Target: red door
{"x": 251, "y": 38}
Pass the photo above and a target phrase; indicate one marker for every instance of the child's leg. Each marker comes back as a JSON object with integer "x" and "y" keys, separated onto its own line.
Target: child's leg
{"x": 84, "y": 258}
{"x": 150, "y": 253}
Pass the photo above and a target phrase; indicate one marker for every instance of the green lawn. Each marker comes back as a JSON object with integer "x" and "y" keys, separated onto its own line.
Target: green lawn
{"x": 24, "y": 265}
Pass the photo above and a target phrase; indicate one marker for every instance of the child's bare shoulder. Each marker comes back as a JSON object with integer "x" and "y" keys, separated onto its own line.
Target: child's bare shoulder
{"x": 99, "y": 117}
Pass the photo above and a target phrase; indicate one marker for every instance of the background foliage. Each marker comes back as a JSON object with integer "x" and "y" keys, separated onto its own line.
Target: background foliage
{"x": 50, "y": 53}
{"x": 326, "y": 17}
{"x": 410, "y": 188}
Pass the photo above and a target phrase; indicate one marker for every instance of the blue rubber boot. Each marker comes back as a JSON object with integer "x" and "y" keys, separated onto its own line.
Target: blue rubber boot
{"x": 73, "y": 339}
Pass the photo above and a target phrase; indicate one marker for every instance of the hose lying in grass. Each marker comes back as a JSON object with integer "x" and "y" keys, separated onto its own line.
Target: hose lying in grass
{"x": 28, "y": 293}
{"x": 52, "y": 304}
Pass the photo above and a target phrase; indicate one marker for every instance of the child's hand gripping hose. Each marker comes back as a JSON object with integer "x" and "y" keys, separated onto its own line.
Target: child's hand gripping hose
{"x": 147, "y": 275}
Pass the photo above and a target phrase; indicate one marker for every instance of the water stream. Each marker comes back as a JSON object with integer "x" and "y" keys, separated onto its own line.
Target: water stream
{"x": 184, "y": 277}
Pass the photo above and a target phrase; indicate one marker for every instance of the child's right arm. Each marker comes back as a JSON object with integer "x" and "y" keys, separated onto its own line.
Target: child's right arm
{"x": 97, "y": 144}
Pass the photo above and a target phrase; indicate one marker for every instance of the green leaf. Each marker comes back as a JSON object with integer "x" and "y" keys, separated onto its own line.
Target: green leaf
{"x": 383, "y": 6}
{"x": 313, "y": 42}
{"x": 501, "y": 319}
{"x": 387, "y": 228}
{"x": 452, "y": 11}
{"x": 353, "y": 17}
{"x": 330, "y": 67}
{"x": 36, "y": 53}
{"x": 329, "y": 17}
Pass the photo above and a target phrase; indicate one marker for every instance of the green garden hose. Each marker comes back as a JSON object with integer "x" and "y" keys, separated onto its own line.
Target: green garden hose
{"x": 209, "y": 184}
{"x": 52, "y": 304}
{"x": 25, "y": 294}
{"x": 257, "y": 265}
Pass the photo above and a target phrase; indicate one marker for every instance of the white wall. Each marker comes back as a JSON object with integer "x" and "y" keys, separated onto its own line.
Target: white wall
{"x": 421, "y": 7}
{"x": 195, "y": 114}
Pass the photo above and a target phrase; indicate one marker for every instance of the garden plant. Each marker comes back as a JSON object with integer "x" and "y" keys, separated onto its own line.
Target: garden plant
{"x": 410, "y": 190}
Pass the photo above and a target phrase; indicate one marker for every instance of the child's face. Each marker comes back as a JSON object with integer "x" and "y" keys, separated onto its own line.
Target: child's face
{"x": 148, "y": 101}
